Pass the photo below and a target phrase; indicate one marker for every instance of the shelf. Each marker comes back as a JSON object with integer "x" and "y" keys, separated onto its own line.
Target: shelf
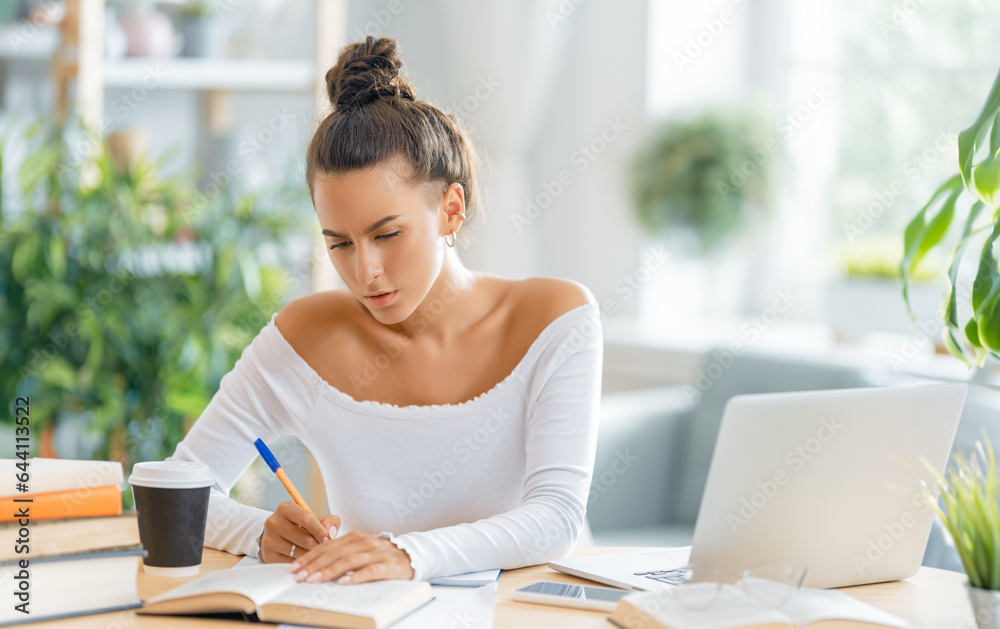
{"x": 259, "y": 75}
{"x": 262, "y": 75}
{"x": 23, "y": 40}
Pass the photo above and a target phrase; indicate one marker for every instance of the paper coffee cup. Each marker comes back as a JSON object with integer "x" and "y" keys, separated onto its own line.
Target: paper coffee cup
{"x": 171, "y": 498}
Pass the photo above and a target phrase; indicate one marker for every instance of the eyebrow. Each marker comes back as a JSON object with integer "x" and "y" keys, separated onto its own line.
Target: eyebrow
{"x": 368, "y": 230}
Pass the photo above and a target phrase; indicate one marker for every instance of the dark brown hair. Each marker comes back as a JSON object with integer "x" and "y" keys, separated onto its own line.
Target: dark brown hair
{"x": 376, "y": 117}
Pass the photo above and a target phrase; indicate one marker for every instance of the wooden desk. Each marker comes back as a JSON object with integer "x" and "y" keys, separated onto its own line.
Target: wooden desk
{"x": 933, "y": 599}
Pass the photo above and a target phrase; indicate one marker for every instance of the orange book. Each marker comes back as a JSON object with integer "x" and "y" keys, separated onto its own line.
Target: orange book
{"x": 71, "y": 503}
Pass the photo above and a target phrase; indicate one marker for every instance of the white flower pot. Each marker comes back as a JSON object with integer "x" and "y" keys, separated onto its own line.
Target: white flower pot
{"x": 985, "y": 607}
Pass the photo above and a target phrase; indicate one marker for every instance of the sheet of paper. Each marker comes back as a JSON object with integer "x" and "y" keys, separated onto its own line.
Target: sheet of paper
{"x": 811, "y": 605}
{"x": 467, "y": 608}
{"x": 468, "y": 579}
{"x": 247, "y": 561}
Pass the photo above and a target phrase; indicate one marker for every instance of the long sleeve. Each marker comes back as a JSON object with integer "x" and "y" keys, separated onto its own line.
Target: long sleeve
{"x": 560, "y": 442}
{"x": 268, "y": 393}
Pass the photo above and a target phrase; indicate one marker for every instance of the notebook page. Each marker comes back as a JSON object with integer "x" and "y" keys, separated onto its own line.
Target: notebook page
{"x": 464, "y": 608}
{"x": 811, "y": 605}
{"x": 258, "y": 583}
{"x": 363, "y": 599}
{"x": 732, "y": 609}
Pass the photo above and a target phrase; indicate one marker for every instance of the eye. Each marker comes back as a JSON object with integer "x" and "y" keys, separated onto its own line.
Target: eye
{"x": 338, "y": 245}
{"x": 388, "y": 236}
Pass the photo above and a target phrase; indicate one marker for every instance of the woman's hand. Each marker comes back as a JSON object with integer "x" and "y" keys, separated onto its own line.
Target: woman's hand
{"x": 354, "y": 558}
{"x": 291, "y": 524}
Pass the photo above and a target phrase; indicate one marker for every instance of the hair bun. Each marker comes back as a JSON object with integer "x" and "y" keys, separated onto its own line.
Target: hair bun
{"x": 366, "y": 72}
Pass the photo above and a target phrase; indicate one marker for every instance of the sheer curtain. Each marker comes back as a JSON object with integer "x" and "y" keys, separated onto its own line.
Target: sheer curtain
{"x": 553, "y": 95}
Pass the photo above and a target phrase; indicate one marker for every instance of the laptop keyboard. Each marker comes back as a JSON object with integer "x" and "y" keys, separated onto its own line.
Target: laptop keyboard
{"x": 671, "y": 577}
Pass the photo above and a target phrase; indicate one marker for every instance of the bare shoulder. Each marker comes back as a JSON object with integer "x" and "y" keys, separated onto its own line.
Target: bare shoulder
{"x": 300, "y": 320}
{"x": 545, "y": 299}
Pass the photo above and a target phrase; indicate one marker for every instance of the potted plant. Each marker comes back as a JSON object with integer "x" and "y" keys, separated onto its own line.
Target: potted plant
{"x": 126, "y": 296}
{"x": 703, "y": 179}
{"x": 870, "y": 275}
{"x": 200, "y": 27}
{"x": 974, "y": 339}
{"x": 971, "y": 317}
{"x": 970, "y": 512}
{"x": 700, "y": 186}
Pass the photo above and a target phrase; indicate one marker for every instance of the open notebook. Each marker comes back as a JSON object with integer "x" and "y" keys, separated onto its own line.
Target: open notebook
{"x": 271, "y": 593}
{"x": 469, "y": 579}
{"x": 807, "y": 608}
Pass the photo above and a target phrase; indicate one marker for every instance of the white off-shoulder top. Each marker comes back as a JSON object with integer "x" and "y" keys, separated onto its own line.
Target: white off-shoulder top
{"x": 498, "y": 481}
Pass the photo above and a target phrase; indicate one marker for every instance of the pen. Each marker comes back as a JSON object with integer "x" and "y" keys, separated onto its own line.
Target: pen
{"x": 276, "y": 468}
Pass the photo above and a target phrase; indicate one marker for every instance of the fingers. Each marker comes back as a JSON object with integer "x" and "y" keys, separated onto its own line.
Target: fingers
{"x": 374, "y": 572}
{"x": 354, "y": 558}
{"x": 304, "y": 519}
{"x": 331, "y": 524}
{"x": 276, "y": 543}
{"x": 291, "y": 524}
{"x": 340, "y": 567}
{"x": 320, "y": 557}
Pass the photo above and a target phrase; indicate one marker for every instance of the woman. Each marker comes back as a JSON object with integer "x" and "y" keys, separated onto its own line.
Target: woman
{"x": 453, "y": 414}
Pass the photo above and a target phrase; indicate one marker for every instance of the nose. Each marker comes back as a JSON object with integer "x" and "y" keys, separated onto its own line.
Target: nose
{"x": 368, "y": 267}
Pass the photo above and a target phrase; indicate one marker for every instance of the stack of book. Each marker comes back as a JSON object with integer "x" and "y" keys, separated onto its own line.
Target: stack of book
{"x": 66, "y": 546}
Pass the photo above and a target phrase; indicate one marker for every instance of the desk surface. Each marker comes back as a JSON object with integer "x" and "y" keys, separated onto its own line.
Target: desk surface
{"x": 933, "y": 599}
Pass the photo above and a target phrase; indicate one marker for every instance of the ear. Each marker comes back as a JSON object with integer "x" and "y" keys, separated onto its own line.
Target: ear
{"x": 452, "y": 209}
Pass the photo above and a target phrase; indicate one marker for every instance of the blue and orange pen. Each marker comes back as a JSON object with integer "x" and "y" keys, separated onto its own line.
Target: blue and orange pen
{"x": 276, "y": 468}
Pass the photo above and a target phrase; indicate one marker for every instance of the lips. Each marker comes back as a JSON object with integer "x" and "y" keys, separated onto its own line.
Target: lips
{"x": 381, "y": 299}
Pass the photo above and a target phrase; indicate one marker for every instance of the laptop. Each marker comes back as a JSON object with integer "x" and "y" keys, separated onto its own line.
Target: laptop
{"x": 817, "y": 479}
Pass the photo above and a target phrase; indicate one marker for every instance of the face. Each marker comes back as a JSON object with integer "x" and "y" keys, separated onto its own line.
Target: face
{"x": 384, "y": 237}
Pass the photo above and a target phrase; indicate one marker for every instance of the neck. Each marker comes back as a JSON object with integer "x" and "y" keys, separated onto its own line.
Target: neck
{"x": 447, "y": 309}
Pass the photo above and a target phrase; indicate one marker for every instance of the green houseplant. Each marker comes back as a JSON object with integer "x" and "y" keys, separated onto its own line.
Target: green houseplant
{"x": 978, "y": 336}
{"x": 100, "y": 319}
{"x": 704, "y": 178}
{"x": 969, "y": 506}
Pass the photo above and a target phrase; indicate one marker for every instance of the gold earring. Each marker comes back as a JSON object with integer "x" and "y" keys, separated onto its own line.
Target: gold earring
{"x": 452, "y": 242}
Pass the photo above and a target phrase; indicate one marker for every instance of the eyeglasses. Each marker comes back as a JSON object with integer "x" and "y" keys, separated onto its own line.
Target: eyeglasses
{"x": 698, "y": 588}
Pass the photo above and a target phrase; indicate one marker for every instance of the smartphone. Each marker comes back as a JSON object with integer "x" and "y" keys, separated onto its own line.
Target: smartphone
{"x": 570, "y": 595}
